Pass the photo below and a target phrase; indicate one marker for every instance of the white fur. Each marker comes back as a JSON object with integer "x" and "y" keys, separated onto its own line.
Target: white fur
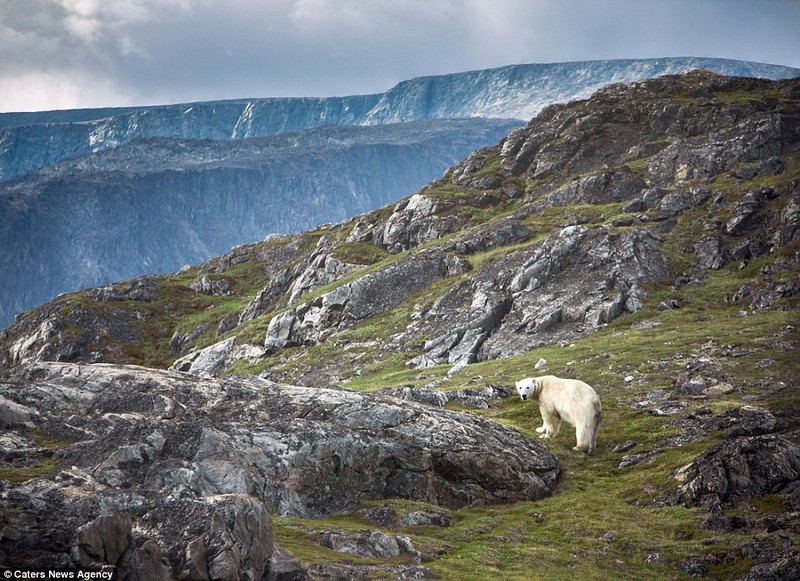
{"x": 569, "y": 399}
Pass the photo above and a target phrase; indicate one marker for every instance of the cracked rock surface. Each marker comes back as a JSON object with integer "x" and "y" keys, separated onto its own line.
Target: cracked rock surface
{"x": 201, "y": 464}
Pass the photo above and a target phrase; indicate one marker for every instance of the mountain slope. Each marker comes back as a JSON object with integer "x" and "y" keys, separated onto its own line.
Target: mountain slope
{"x": 615, "y": 182}
{"x": 80, "y": 223}
{"x": 644, "y": 240}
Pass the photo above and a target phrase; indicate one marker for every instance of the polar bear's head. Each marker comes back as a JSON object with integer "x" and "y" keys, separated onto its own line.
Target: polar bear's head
{"x": 525, "y": 387}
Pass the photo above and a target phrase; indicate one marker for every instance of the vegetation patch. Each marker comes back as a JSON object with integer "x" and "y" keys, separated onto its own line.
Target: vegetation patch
{"x": 359, "y": 253}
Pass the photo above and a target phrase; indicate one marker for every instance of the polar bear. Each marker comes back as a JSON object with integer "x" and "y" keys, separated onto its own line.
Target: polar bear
{"x": 568, "y": 399}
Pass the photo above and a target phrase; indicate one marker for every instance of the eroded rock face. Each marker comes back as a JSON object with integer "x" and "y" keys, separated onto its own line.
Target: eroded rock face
{"x": 742, "y": 467}
{"x": 573, "y": 282}
{"x": 369, "y": 295}
{"x": 200, "y": 464}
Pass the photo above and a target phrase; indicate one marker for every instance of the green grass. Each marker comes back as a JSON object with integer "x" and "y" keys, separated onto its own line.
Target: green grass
{"x": 20, "y": 474}
{"x": 587, "y": 529}
{"x": 359, "y": 253}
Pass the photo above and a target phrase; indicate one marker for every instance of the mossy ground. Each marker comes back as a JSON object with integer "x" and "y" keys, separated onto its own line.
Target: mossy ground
{"x": 590, "y": 528}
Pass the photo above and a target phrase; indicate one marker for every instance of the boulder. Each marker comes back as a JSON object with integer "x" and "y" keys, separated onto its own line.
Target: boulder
{"x": 140, "y": 289}
{"x": 206, "y": 286}
{"x": 371, "y": 294}
{"x": 208, "y": 361}
{"x": 746, "y": 213}
{"x": 740, "y": 467}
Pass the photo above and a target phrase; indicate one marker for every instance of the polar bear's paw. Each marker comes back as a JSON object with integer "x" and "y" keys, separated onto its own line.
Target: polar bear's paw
{"x": 541, "y": 430}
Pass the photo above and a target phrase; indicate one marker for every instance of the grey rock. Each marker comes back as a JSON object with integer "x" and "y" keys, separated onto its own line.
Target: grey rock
{"x": 284, "y": 566}
{"x": 364, "y": 297}
{"x": 322, "y": 269}
{"x": 633, "y": 459}
{"x": 746, "y": 213}
{"x": 572, "y": 282}
{"x": 208, "y": 361}
{"x": 141, "y": 289}
{"x": 747, "y": 466}
{"x": 610, "y": 186}
{"x": 773, "y": 291}
{"x": 771, "y": 166}
{"x": 200, "y": 464}
{"x": 13, "y": 414}
{"x": 780, "y": 570}
{"x": 647, "y": 200}
{"x": 711, "y": 253}
{"x": 370, "y": 543}
{"x": 422, "y": 395}
{"x": 386, "y": 516}
{"x": 625, "y": 446}
{"x": 228, "y": 323}
{"x": 206, "y": 286}
{"x": 179, "y": 341}
{"x": 747, "y": 421}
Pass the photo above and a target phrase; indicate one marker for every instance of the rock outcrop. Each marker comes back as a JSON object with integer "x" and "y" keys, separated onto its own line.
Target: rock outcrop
{"x": 201, "y": 464}
{"x": 743, "y": 467}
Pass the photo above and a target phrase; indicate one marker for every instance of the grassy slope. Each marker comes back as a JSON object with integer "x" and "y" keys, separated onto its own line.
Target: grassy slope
{"x": 567, "y": 535}
{"x": 563, "y": 536}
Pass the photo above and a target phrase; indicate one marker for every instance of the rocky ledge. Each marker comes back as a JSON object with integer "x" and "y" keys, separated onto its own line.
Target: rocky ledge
{"x": 166, "y": 474}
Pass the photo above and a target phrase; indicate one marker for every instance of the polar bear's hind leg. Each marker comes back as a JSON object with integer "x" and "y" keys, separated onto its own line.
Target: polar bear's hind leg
{"x": 586, "y": 435}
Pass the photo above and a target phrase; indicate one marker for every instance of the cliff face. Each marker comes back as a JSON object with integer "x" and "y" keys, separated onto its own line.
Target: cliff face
{"x": 31, "y": 140}
{"x": 644, "y": 240}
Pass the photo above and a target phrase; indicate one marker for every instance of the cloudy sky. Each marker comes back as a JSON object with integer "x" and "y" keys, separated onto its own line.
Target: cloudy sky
{"x": 57, "y": 54}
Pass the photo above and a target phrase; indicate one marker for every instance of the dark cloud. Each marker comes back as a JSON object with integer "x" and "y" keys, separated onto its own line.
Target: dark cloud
{"x": 80, "y": 53}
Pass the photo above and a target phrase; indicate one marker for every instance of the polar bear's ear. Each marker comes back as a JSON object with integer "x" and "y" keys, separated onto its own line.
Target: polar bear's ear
{"x": 526, "y": 383}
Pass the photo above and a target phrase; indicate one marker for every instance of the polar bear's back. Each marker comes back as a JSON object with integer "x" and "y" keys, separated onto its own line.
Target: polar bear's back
{"x": 569, "y": 393}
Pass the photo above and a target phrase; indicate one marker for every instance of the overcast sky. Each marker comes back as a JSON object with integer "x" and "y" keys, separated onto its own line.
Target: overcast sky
{"x": 57, "y": 54}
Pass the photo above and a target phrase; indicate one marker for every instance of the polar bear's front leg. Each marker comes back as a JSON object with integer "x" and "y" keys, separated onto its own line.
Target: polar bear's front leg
{"x": 551, "y": 424}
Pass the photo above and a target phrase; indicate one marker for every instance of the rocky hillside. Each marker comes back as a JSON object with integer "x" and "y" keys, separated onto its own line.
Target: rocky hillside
{"x": 89, "y": 197}
{"x": 643, "y": 240}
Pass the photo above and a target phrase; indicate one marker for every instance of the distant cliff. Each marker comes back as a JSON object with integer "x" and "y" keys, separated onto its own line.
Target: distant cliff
{"x": 31, "y": 140}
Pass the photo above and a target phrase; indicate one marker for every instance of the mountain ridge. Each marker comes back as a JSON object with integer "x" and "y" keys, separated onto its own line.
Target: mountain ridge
{"x": 154, "y": 205}
{"x": 502, "y": 92}
{"x": 37, "y": 270}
